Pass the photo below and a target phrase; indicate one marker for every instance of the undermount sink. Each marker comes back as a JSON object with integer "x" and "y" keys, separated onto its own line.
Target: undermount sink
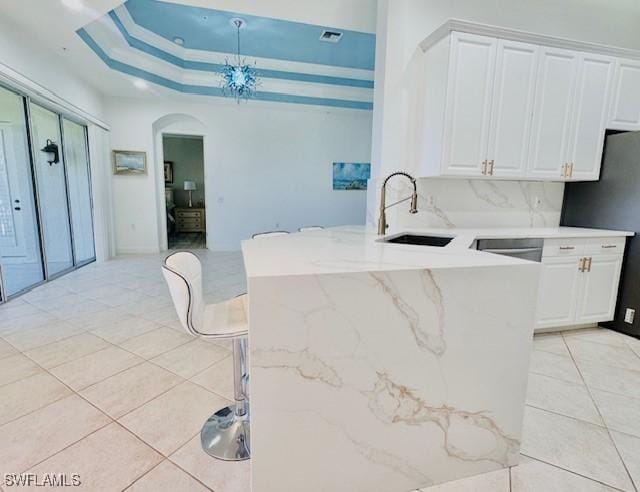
{"x": 437, "y": 241}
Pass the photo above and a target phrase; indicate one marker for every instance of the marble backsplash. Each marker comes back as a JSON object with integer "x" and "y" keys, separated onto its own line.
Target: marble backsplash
{"x": 471, "y": 203}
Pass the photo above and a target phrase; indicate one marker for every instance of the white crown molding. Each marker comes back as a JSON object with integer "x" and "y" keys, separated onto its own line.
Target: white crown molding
{"x": 525, "y": 37}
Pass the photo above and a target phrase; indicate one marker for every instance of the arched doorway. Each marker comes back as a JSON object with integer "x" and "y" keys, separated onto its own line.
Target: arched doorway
{"x": 175, "y": 125}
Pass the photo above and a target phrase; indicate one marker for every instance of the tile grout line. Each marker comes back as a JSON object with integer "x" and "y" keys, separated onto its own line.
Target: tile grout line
{"x": 554, "y": 377}
{"x": 153, "y": 468}
{"x": 73, "y": 392}
{"x": 567, "y": 416}
{"x": 592, "y": 361}
{"x": 572, "y": 472}
{"x": 111, "y": 420}
{"x": 615, "y": 446}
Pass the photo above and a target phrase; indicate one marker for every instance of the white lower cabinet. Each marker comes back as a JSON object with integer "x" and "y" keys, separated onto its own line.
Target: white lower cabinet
{"x": 578, "y": 289}
{"x": 597, "y": 301}
{"x": 558, "y": 291}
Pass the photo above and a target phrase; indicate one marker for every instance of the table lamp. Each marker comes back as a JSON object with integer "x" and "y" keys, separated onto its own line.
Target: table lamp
{"x": 190, "y": 186}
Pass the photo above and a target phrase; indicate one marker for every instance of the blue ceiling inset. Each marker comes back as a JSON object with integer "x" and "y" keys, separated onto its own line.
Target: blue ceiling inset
{"x": 294, "y": 66}
{"x": 207, "y": 29}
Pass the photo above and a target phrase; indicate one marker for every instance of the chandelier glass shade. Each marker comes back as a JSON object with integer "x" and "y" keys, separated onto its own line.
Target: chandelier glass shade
{"x": 239, "y": 79}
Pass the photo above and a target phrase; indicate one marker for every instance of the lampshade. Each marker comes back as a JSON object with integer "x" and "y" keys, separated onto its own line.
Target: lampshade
{"x": 189, "y": 185}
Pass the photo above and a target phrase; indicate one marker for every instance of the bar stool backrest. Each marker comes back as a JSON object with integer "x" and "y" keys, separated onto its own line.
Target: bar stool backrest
{"x": 183, "y": 272}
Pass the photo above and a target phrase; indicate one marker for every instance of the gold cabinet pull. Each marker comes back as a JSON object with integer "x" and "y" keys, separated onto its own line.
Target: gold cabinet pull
{"x": 571, "y": 170}
{"x": 567, "y": 248}
{"x": 581, "y": 264}
{"x": 564, "y": 170}
{"x": 491, "y": 167}
{"x": 609, "y": 246}
{"x": 484, "y": 167}
{"x": 589, "y": 263}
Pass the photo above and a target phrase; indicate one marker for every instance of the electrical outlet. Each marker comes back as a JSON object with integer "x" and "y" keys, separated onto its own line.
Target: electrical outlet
{"x": 431, "y": 201}
{"x": 277, "y": 225}
{"x": 536, "y": 203}
{"x": 629, "y": 315}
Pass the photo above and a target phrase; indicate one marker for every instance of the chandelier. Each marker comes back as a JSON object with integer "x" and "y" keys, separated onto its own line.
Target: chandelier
{"x": 239, "y": 80}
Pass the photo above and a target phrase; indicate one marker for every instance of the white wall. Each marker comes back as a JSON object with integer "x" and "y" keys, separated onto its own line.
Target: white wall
{"x": 267, "y": 166}
{"x": 49, "y": 70}
{"x": 402, "y": 24}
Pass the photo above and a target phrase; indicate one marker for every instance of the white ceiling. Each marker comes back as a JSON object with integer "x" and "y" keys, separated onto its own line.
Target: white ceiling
{"x": 52, "y": 27}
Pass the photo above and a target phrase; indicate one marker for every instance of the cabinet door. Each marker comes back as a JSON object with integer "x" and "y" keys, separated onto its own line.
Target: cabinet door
{"x": 552, "y": 113}
{"x": 625, "y": 113}
{"x": 599, "y": 292}
{"x": 590, "y": 112}
{"x": 468, "y": 108}
{"x": 558, "y": 291}
{"x": 513, "y": 98}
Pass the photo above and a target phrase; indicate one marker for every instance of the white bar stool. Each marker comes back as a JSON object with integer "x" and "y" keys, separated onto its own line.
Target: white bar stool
{"x": 225, "y": 435}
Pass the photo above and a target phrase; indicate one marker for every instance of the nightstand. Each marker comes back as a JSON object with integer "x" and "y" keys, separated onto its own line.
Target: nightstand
{"x": 190, "y": 220}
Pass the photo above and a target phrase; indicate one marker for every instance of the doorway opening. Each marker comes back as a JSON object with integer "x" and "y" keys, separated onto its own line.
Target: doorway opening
{"x": 184, "y": 191}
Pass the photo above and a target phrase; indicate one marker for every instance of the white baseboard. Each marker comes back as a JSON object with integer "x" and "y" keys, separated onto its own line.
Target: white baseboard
{"x": 555, "y": 329}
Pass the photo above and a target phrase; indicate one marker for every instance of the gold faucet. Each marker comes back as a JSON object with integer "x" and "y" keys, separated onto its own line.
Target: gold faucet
{"x": 382, "y": 220}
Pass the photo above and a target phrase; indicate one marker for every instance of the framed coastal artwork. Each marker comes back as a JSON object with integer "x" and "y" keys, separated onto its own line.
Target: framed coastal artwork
{"x": 351, "y": 175}
{"x": 168, "y": 172}
{"x": 129, "y": 162}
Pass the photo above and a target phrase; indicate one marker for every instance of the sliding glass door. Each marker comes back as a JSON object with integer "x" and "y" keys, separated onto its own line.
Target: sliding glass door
{"x": 20, "y": 252}
{"x": 76, "y": 158}
{"x": 46, "y": 213}
{"x": 52, "y": 191}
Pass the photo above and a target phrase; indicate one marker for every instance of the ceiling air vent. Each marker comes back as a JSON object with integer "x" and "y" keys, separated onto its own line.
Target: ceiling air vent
{"x": 330, "y": 36}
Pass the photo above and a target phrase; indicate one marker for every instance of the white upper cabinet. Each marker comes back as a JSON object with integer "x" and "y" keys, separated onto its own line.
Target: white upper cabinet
{"x": 503, "y": 106}
{"x": 552, "y": 113}
{"x": 513, "y": 99}
{"x": 471, "y": 72}
{"x": 590, "y": 113}
{"x": 625, "y": 110}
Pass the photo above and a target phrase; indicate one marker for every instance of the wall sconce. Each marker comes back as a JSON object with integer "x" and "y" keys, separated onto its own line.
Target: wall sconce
{"x": 51, "y": 149}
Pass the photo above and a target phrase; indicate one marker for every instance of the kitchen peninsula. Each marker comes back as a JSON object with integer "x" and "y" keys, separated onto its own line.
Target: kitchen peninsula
{"x": 384, "y": 367}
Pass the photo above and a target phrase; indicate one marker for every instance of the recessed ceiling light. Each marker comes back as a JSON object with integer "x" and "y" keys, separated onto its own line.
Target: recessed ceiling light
{"x": 73, "y": 4}
{"x": 178, "y": 40}
{"x": 140, "y": 84}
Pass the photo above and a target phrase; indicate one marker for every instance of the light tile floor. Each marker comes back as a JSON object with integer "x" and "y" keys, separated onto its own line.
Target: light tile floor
{"x": 98, "y": 378}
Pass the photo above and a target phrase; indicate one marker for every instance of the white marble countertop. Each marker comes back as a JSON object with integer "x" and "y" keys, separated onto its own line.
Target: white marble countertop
{"x": 359, "y": 249}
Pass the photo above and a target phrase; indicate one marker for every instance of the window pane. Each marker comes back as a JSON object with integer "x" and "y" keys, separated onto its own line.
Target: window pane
{"x": 20, "y": 255}
{"x": 52, "y": 192}
{"x": 76, "y": 160}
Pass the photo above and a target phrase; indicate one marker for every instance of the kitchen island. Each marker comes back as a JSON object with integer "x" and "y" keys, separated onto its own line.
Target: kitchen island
{"x": 384, "y": 367}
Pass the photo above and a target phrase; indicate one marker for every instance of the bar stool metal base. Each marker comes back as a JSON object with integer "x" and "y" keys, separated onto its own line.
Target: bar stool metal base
{"x": 225, "y": 435}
